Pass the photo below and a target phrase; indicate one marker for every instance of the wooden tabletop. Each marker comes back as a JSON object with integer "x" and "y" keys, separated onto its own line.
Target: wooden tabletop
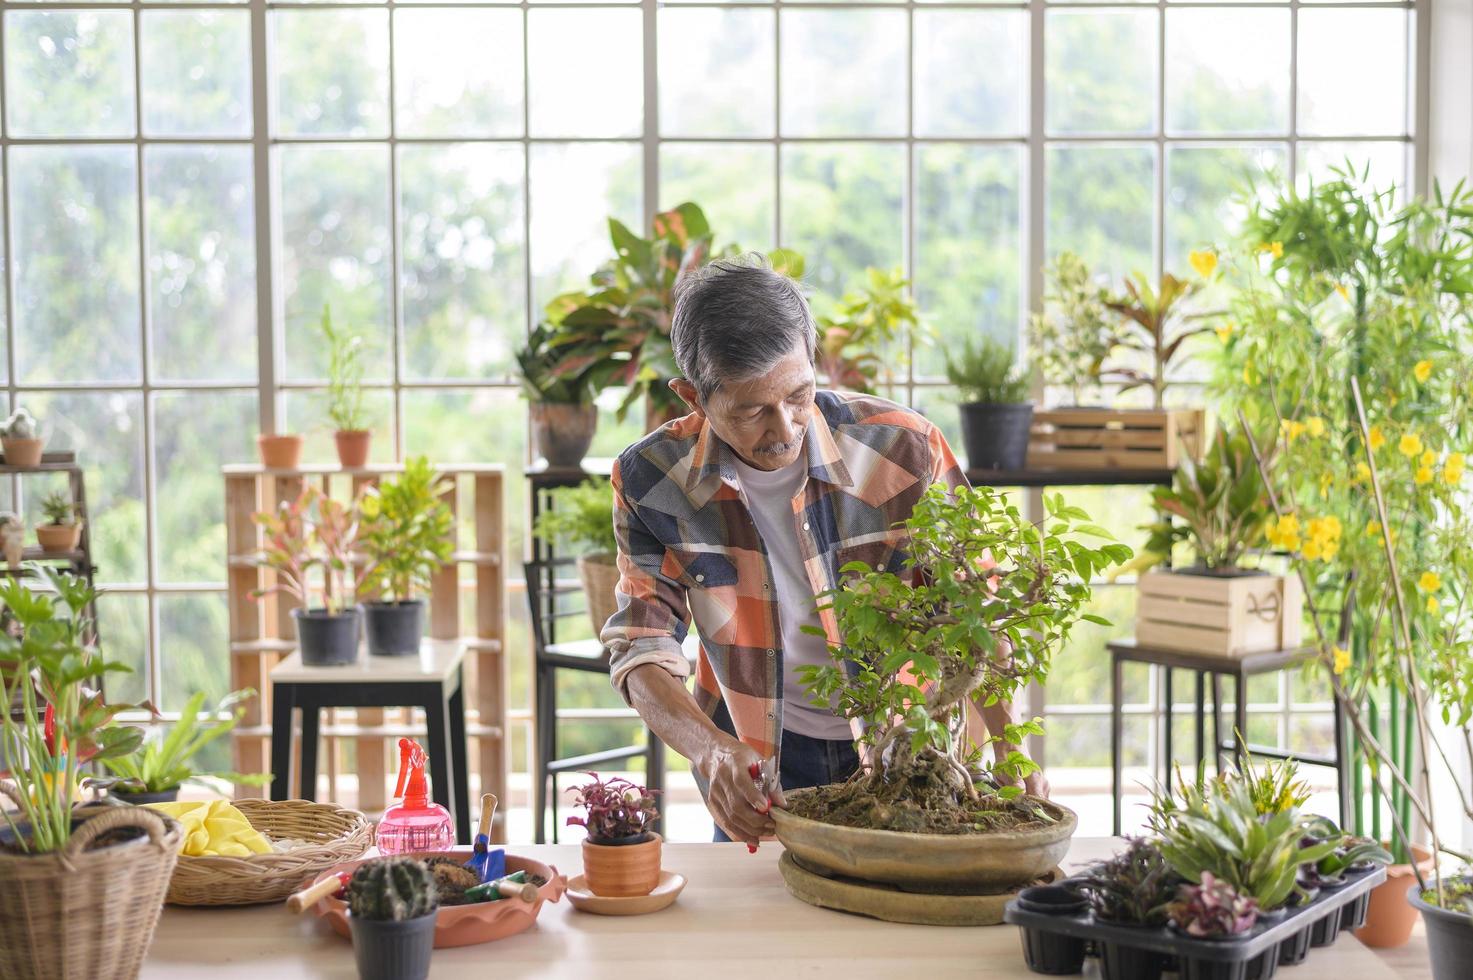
{"x": 734, "y": 919}
{"x": 437, "y": 660}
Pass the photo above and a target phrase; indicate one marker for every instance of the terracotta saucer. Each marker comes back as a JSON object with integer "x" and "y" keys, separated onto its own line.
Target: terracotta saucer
{"x": 662, "y": 897}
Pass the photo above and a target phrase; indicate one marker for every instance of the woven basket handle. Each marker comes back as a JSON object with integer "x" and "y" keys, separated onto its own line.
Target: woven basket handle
{"x": 11, "y": 790}
{"x": 112, "y": 819}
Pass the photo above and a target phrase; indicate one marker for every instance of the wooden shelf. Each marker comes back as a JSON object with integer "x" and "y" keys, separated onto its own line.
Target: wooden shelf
{"x": 484, "y": 558}
{"x": 262, "y": 646}
{"x": 373, "y": 470}
{"x": 1068, "y": 478}
{"x": 63, "y": 461}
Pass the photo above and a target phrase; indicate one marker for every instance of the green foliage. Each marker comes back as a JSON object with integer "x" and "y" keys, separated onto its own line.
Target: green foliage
{"x": 988, "y": 372}
{"x": 46, "y": 663}
{"x": 309, "y": 543}
{"x": 1221, "y": 505}
{"x": 407, "y": 530}
{"x": 1274, "y": 788}
{"x": 1076, "y": 332}
{"x": 993, "y": 599}
{"x": 1134, "y": 886}
{"x": 1350, "y": 850}
{"x": 862, "y": 339}
{"x": 1156, "y": 328}
{"x": 344, "y": 375}
{"x": 393, "y": 889}
{"x": 547, "y": 365}
{"x": 57, "y": 508}
{"x": 581, "y": 516}
{"x": 162, "y": 762}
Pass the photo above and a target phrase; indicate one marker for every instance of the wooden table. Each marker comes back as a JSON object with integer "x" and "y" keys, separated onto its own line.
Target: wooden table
{"x": 734, "y": 919}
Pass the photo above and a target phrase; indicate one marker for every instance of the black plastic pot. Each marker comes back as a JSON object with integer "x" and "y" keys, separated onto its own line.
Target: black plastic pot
{"x": 1449, "y": 938}
{"x": 327, "y": 639}
{"x": 1325, "y": 930}
{"x": 1353, "y": 915}
{"x": 1295, "y": 949}
{"x": 1264, "y": 965}
{"x": 1119, "y": 961}
{"x": 1050, "y": 952}
{"x": 996, "y": 436}
{"x": 138, "y": 799}
{"x": 393, "y": 950}
{"x": 394, "y": 628}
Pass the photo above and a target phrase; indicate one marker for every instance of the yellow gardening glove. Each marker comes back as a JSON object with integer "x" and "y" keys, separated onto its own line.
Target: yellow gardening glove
{"x": 214, "y": 828}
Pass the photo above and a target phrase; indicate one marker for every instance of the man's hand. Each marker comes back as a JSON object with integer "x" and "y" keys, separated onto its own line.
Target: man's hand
{"x": 737, "y": 805}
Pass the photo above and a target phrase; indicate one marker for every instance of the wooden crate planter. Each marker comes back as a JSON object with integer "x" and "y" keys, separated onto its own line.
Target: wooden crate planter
{"x": 1110, "y": 439}
{"x": 1228, "y": 617}
{"x": 262, "y": 633}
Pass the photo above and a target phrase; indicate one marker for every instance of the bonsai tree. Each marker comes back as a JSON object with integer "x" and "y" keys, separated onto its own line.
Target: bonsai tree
{"x": 984, "y": 602}
{"x": 1134, "y": 887}
{"x": 407, "y": 531}
{"x": 861, "y": 338}
{"x": 162, "y": 762}
{"x": 1076, "y": 332}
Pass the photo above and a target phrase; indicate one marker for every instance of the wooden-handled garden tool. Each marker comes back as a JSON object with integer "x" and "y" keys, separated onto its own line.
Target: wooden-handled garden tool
{"x": 489, "y": 863}
{"x": 334, "y": 885}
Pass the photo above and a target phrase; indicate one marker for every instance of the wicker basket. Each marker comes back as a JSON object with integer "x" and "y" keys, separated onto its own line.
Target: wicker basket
{"x": 87, "y": 915}
{"x": 339, "y": 835}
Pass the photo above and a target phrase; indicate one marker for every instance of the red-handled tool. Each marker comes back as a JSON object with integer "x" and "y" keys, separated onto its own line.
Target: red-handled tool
{"x": 764, "y": 775}
{"x": 334, "y": 885}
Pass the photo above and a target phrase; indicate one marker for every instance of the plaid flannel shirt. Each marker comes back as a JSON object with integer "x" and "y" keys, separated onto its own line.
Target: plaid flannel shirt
{"x": 688, "y": 548}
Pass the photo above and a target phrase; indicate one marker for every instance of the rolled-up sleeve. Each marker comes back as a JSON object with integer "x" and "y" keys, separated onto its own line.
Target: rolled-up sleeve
{"x": 944, "y": 467}
{"x": 653, "y": 616}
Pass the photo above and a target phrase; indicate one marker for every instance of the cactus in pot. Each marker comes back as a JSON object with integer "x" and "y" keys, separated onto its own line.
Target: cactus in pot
{"x": 391, "y": 909}
{"x": 20, "y": 436}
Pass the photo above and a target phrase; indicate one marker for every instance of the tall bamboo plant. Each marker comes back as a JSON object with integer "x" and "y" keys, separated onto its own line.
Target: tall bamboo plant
{"x": 1347, "y": 339}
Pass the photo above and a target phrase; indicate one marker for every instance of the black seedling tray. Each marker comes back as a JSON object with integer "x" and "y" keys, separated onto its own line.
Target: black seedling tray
{"x": 1285, "y": 940}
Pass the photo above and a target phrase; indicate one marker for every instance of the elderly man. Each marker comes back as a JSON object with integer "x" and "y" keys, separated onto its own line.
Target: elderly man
{"x": 737, "y": 516}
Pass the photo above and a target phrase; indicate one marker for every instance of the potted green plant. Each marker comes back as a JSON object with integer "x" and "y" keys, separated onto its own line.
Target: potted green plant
{"x": 345, "y": 406}
{"x": 1132, "y": 888}
{"x": 155, "y": 771}
{"x": 621, "y": 855}
{"x": 279, "y": 451}
{"x": 392, "y": 907}
{"x": 560, "y": 393}
{"x": 1218, "y": 508}
{"x": 62, "y": 527}
{"x": 308, "y": 544}
{"x": 407, "y": 535}
{"x": 861, "y": 339}
{"x": 582, "y": 518}
{"x": 998, "y": 597}
{"x": 54, "y": 854}
{"x": 20, "y": 436}
{"x": 1449, "y": 921}
{"x": 996, "y": 413}
{"x": 1076, "y": 333}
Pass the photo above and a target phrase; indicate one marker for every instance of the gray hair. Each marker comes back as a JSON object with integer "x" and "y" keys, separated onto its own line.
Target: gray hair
{"x": 736, "y": 318}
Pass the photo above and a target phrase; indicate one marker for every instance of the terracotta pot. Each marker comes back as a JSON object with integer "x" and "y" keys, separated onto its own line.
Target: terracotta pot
{"x": 622, "y": 870}
{"x": 22, "y": 452}
{"x": 353, "y": 447}
{"x": 279, "y": 452}
{"x": 59, "y": 537}
{"x": 562, "y": 433}
{"x": 1390, "y": 917}
{"x": 599, "y": 575}
{"x": 13, "y": 542}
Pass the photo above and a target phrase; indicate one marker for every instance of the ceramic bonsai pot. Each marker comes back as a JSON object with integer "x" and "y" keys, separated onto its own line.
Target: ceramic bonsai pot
{"x": 279, "y": 452}
{"x": 562, "y": 433}
{"x": 957, "y": 864}
{"x": 622, "y": 870}
{"x": 394, "y": 628}
{"x": 22, "y": 452}
{"x": 56, "y": 538}
{"x": 353, "y": 446}
{"x": 392, "y": 950}
{"x": 327, "y": 639}
{"x": 1449, "y": 937}
{"x": 1389, "y": 918}
{"x": 995, "y": 437}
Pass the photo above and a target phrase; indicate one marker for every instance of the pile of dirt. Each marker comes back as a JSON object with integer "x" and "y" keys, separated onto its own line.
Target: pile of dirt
{"x": 854, "y": 804}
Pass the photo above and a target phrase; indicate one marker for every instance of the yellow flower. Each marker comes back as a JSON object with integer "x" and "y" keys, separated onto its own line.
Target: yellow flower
{"x": 1422, "y": 371}
{"x": 1292, "y": 429}
{"x": 1410, "y": 445}
{"x": 1423, "y": 475}
{"x": 1283, "y": 532}
{"x": 1204, "y": 261}
{"x": 1326, "y": 480}
{"x": 1432, "y": 604}
{"x": 1276, "y": 249}
{"x": 1429, "y": 582}
{"x": 1428, "y": 458}
{"x": 1224, "y": 333}
{"x": 1344, "y": 293}
{"x": 1313, "y": 549}
{"x": 1377, "y": 438}
{"x": 1248, "y": 377}
{"x": 1452, "y": 468}
{"x": 1362, "y": 472}
{"x": 1315, "y": 425}
{"x": 1342, "y": 659}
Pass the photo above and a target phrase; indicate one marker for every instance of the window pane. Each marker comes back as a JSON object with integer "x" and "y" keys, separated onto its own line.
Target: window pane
{"x": 305, "y": 413}
{"x": 196, "y": 433}
{"x": 732, "y": 183}
{"x": 458, "y": 72}
{"x": 193, "y": 631}
{"x": 1100, "y": 204}
{"x": 105, "y": 430}
{"x": 970, "y": 72}
{"x": 1101, "y": 71}
{"x": 604, "y": 96}
{"x": 74, "y": 228}
{"x": 332, "y": 72}
{"x": 196, "y": 72}
{"x": 1204, "y": 188}
{"x": 122, "y": 627}
{"x": 968, "y": 260}
{"x": 1383, "y": 163}
{"x": 842, "y": 209}
{"x": 575, "y": 189}
{"x": 843, "y": 72}
{"x": 1227, "y": 71}
{"x": 1353, "y": 72}
{"x": 69, "y": 73}
{"x": 335, "y": 250}
{"x": 463, "y": 259}
{"x": 701, "y": 52}
{"x": 201, "y": 262}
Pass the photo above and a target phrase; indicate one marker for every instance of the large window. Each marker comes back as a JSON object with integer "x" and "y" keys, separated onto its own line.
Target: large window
{"x": 188, "y": 185}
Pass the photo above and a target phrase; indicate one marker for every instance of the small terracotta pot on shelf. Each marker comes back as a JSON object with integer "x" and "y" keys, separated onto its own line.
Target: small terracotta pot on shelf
{"x": 622, "y": 870}
{"x": 1389, "y": 916}
{"x": 55, "y": 538}
{"x": 23, "y": 452}
{"x": 280, "y": 452}
{"x": 353, "y": 446}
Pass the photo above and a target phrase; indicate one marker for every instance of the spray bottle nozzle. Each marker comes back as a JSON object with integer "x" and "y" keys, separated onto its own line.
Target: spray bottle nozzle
{"x": 412, "y": 788}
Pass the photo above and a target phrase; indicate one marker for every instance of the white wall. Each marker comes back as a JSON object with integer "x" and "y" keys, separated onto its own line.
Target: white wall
{"x": 1450, "y": 138}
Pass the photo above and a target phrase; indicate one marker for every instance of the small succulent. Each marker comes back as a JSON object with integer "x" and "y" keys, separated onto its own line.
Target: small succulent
{"x": 1349, "y": 851}
{"x": 392, "y": 890}
{"x": 21, "y": 425}
{"x": 57, "y": 508}
{"x": 1213, "y": 908}
{"x": 1134, "y": 886}
{"x": 617, "y": 809}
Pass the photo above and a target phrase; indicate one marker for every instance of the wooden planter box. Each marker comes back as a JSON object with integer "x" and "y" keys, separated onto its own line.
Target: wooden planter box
{"x": 1110, "y": 439}
{"x": 1228, "y": 617}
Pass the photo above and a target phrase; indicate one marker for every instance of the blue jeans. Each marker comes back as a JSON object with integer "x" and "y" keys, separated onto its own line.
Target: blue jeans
{"x": 806, "y": 762}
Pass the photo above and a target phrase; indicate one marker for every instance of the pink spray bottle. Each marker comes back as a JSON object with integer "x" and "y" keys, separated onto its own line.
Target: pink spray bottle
{"x": 414, "y": 825}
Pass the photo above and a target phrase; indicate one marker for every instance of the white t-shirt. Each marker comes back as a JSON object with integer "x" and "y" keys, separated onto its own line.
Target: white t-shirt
{"x": 770, "y": 496}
